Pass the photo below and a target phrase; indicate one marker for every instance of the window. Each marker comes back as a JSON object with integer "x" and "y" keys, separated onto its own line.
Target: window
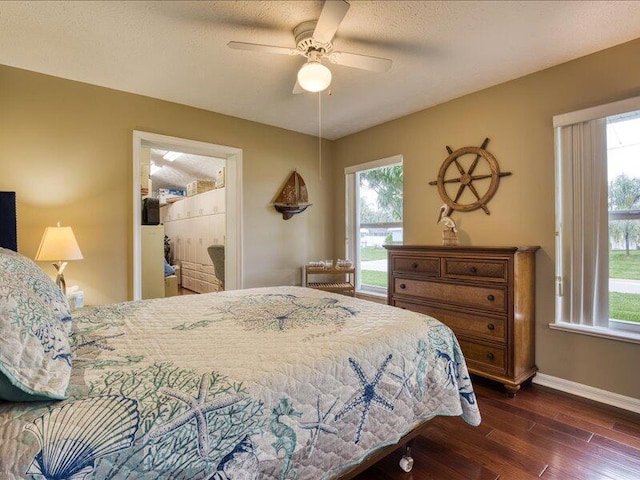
{"x": 374, "y": 218}
{"x": 598, "y": 220}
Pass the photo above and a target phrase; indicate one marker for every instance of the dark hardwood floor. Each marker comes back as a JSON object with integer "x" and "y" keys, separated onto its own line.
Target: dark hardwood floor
{"x": 541, "y": 433}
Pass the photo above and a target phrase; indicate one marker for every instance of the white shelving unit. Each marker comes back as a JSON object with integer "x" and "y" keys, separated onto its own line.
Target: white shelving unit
{"x": 192, "y": 224}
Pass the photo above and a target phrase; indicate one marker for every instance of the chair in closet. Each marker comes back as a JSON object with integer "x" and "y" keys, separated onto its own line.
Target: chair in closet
{"x": 216, "y": 252}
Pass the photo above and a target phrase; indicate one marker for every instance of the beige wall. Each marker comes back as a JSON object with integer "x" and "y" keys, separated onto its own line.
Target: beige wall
{"x": 66, "y": 149}
{"x": 517, "y": 117}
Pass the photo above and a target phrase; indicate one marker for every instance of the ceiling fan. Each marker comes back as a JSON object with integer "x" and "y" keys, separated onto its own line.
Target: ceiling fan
{"x": 314, "y": 41}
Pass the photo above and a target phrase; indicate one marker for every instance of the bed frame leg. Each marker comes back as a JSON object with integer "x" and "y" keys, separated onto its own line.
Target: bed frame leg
{"x": 406, "y": 462}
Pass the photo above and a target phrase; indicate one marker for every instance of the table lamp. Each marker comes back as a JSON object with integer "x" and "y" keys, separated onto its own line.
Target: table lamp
{"x": 60, "y": 245}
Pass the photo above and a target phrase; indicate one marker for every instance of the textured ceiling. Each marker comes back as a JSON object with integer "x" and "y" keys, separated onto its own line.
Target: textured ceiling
{"x": 177, "y": 51}
{"x": 183, "y": 170}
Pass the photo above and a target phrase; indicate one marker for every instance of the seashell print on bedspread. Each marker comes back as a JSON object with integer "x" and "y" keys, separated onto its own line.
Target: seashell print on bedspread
{"x": 279, "y": 383}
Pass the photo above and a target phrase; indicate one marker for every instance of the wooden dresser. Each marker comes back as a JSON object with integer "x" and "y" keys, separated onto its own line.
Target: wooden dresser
{"x": 485, "y": 294}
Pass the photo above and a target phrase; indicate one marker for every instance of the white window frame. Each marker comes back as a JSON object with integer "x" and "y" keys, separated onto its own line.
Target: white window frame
{"x": 352, "y": 214}
{"x": 615, "y": 329}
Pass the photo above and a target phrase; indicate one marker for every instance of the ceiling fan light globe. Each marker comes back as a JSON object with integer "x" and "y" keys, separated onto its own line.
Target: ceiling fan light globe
{"x": 314, "y": 77}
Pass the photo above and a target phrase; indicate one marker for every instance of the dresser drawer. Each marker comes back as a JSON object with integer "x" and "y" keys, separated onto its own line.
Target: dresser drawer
{"x": 189, "y": 265}
{"x": 205, "y": 287}
{"x": 484, "y": 356}
{"x": 424, "y": 265}
{"x": 494, "y": 270}
{"x": 189, "y": 283}
{"x": 206, "y": 268}
{"x": 473, "y": 325}
{"x": 488, "y": 298}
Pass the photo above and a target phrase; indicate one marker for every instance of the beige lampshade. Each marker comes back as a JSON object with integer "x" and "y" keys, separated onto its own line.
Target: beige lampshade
{"x": 58, "y": 243}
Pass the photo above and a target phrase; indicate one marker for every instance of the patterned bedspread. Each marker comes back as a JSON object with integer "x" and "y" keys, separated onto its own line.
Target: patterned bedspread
{"x": 279, "y": 383}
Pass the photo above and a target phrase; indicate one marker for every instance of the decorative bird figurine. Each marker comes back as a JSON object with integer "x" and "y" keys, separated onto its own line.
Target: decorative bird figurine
{"x": 445, "y": 219}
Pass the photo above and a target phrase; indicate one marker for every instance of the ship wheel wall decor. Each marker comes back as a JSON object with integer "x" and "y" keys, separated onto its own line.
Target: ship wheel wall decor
{"x": 465, "y": 178}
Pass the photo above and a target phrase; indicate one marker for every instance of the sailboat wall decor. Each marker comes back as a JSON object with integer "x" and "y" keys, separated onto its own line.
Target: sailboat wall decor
{"x": 293, "y": 198}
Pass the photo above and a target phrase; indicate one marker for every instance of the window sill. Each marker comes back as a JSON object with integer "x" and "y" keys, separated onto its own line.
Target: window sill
{"x": 609, "y": 333}
{"x": 372, "y": 295}
{"x": 373, "y": 291}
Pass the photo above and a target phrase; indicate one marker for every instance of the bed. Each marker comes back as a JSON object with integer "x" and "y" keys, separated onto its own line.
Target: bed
{"x": 270, "y": 383}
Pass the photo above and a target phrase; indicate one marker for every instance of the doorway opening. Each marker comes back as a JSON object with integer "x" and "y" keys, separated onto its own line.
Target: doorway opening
{"x": 220, "y": 155}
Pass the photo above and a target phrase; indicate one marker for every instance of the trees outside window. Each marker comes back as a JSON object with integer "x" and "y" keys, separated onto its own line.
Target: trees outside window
{"x": 624, "y": 196}
{"x": 623, "y": 168}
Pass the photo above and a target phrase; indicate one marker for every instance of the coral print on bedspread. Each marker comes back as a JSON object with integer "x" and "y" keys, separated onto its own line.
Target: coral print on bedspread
{"x": 281, "y": 383}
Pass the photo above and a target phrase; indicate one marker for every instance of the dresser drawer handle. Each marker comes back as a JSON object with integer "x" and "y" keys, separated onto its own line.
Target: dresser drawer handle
{"x": 473, "y": 270}
{"x": 490, "y": 356}
{"x": 491, "y": 326}
{"x": 403, "y": 286}
{"x": 414, "y": 265}
{"x": 491, "y": 298}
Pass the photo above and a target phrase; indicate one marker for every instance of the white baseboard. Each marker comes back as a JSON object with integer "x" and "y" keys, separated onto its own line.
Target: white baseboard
{"x": 585, "y": 391}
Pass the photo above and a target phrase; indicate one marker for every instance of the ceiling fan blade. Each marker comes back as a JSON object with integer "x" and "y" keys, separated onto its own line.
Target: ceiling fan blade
{"x": 331, "y": 16}
{"x": 264, "y": 48}
{"x": 365, "y": 62}
{"x": 297, "y": 88}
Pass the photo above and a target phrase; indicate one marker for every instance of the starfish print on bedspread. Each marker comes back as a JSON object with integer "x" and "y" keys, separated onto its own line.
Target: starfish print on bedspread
{"x": 405, "y": 379}
{"x": 320, "y": 425}
{"x": 198, "y": 409}
{"x": 366, "y": 396}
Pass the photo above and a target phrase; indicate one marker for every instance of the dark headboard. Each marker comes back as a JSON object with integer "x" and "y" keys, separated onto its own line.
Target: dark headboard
{"x": 8, "y": 230}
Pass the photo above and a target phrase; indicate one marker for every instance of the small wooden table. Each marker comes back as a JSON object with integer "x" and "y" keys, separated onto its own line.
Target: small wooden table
{"x": 330, "y": 282}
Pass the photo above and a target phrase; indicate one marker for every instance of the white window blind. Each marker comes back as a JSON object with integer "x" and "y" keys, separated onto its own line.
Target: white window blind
{"x": 582, "y": 224}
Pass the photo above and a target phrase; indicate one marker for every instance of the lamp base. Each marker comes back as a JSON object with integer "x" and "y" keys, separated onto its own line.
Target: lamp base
{"x": 60, "y": 282}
